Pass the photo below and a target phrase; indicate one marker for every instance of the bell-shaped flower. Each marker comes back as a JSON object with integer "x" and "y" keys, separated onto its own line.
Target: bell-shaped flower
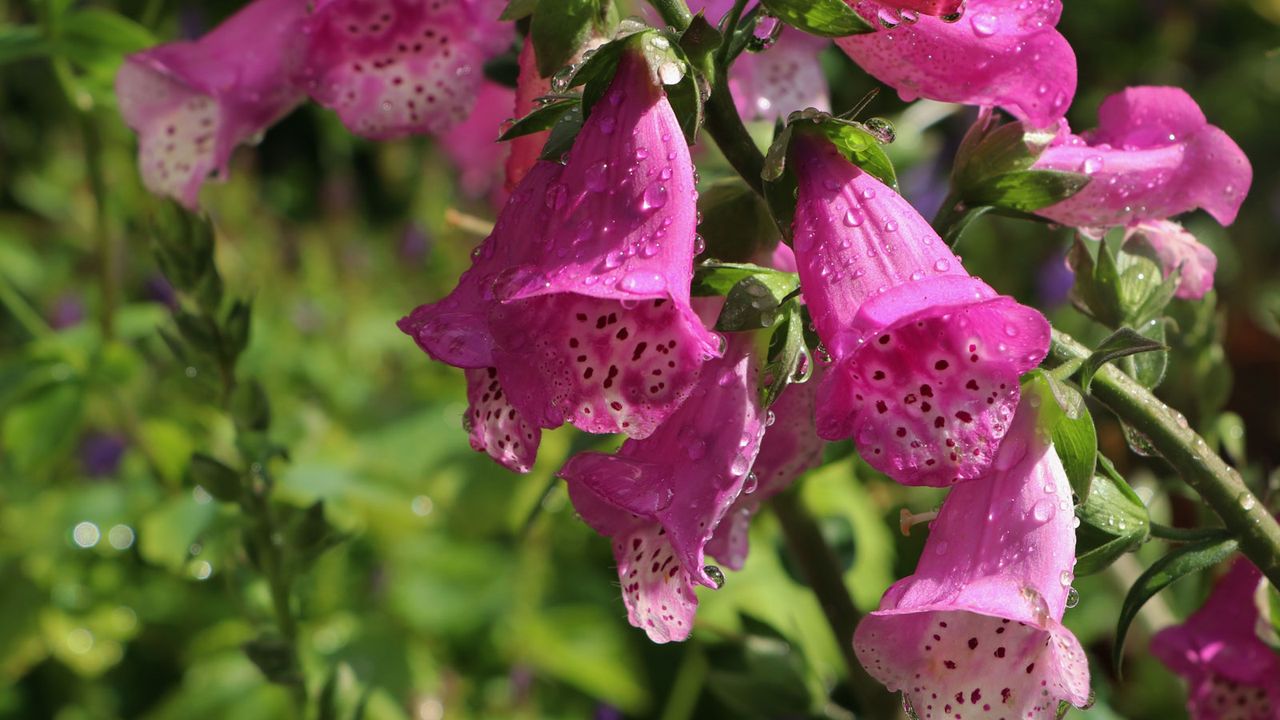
{"x": 495, "y": 426}
{"x": 998, "y": 53}
{"x": 926, "y": 358}
{"x": 580, "y": 298}
{"x": 1152, "y": 156}
{"x": 976, "y": 632}
{"x": 192, "y": 103}
{"x": 474, "y": 148}
{"x": 529, "y": 87}
{"x": 660, "y": 499}
{"x": 391, "y": 68}
{"x": 790, "y": 447}
{"x": 1178, "y": 251}
{"x": 1232, "y": 673}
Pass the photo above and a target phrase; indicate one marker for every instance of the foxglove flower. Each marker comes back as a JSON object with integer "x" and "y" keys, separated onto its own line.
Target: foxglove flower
{"x": 529, "y": 87}
{"x": 474, "y": 148}
{"x": 1233, "y": 675}
{"x": 976, "y": 632}
{"x": 1178, "y": 250}
{"x": 579, "y": 300}
{"x": 1152, "y": 156}
{"x": 391, "y": 68}
{"x": 926, "y": 358}
{"x": 192, "y": 103}
{"x": 1001, "y": 53}
{"x": 661, "y": 498}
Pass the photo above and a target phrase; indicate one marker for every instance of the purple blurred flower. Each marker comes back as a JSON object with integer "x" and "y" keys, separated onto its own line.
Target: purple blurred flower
{"x": 68, "y": 311}
{"x": 100, "y": 453}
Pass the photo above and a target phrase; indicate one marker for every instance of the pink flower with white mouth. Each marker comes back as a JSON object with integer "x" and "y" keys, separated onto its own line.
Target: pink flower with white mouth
{"x": 391, "y": 68}
{"x": 579, "y": 299}
{"x": 926, "y": 358}
{"x": 977, "y": 631}
{"x": 192, "y": 103}
{"x": 1152, "y": 156}
{"x": 1232, "y": 673}
{"x": 1000, "y": 53}
{"x": 1178, "y": 251}
{"x": 661, "y": 498}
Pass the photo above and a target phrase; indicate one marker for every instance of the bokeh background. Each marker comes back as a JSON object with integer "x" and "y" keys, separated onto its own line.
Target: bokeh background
{"x": 461, "y": 590}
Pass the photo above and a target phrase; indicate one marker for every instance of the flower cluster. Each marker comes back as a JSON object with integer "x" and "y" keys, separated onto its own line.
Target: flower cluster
{"x": 577, "y": 309}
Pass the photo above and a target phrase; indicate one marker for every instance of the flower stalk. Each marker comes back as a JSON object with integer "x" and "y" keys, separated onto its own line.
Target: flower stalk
{"x": 1243, "y": 514}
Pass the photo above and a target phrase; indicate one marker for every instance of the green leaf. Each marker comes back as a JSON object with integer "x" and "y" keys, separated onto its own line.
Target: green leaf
{"x": 736, "y": 225}
{"x": 862, "y": 147}
{"x": 37, "y": 432}
{"x": 1096, "y": 290}
{"x": 1120, "y": 343}
{"x": 754, "y": 301}
{"x": 1025, "y": 190}
{"x": 1182, "y": 561}
{"x": 827, "y": 18}
{"x": 559, "y": 30}
{"x": 563, "y": 133}
{"x": 988, "y": 151}
{"x": 1076, "y": 442}
{"x": 94, "y": 36}
{"x": 1113, "y": 521}
{"x": 541, "y": 118}
{"x": 211, "y": 474}
{"x": 1149, "y": 368}
{"x": 518, "y": 9}
{"x": 20, "y": 42}
{"x": 711, "y": 279}
{"x": 786, "y": 351}
{"x": 952, "y": 233}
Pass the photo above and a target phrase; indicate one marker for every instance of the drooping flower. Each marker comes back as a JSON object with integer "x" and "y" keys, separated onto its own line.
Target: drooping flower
{"x": 790, "y": 447}
{"x": 579, "y": 299}
{"x": 391, "y": 68}
{"x": 1178, "y": 250}
{"x": 976, "y": 632}
{"x": 926, "y": 358}
{"x": 474, "y": 148}
{"x": 1152, "y": 156}
{"x": 660, "y": 499}
{"x": 1232, "y": 673}
{"x": 529, "y": 87}
{"x": 1001, "y": 53}
{"x": 192, "y": 103}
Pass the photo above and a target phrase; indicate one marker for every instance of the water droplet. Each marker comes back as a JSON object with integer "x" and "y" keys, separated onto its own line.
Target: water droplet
{"x": 699, "y": 245}
{"x": 868, "y": 193}
{"x": 882, "y": 129}
{"x": 750, "y": 484}
{"x": 1065, "y": 578}
{"x": 941, "y": 547}
{"x": 655, "y": 196}
{"x": 696, "y": 448}
{"x": 716, "y": 576}
{"x": 671, "y": 72}
{"x": 985, "y": 24}
{"x": 890, "y": 226}
{"x": 596, "y": 177}
{"x": 1043, "y": 511}
{"x": 854, "y": 218}
{"x": 1092, "y": 164}
{"x": 1246, "y": 500}
{"x": 1073, "y": 597}
{"x": 888, "y": 18}
{"x": 942, "y": 265}
{"x": 643, "y": 283}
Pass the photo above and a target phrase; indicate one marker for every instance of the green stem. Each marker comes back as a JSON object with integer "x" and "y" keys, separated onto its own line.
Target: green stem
{"x": 22, "y": 311}
{"x": 1177, "y": 534}
{"x": 1218, "y": 484}
{"x": 108, "y": 260}
{"x": 690, "y": 679}
{"x": 721, "y": 116}
{"x": 674, "y": 13}
{"x": 822, "y": 570}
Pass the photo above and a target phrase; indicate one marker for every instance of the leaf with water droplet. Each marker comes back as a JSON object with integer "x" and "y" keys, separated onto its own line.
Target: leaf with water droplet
{"x": 1113, "y": 521}
{"x": 1120, "y": 343}
{"x": 826, "y": 18}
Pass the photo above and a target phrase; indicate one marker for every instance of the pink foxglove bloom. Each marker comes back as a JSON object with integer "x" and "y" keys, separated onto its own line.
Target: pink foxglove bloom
{"x": 976, "y": 632}
{"x": 1001, "y": 53}
{"x": 1178, "y": 250}
{"x": 790, "y": 447}
{"x": 391, "y": 68}
{"x": 474, "y": 148}
{"x": 1152, "y": 156}
{"x": 580, "y": 298}
{"x": 1232, "y": 673}
{"x": 661, "y": 498}
{"x": 529, "y": 87}
{"x": 192, "y": 103}
{"x": 787, "y": 76}
{"x": 926, "y": 358}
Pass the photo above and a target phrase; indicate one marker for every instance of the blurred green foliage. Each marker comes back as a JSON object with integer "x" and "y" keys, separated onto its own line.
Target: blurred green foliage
{"x": 463, "y": 591}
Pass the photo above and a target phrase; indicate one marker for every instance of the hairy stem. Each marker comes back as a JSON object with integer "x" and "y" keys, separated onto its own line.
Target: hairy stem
{"x": 674, "y": 13}
{"x": 822, "y": 570}
{"x": 1243, "y": 514}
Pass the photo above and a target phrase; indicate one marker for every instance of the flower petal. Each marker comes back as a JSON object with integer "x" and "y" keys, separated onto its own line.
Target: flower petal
{"x": 390, "y": 68}
{"x": 1153, "y": 157}
{"x": 529, "y": 87}
{"x": 788, "y": 76}
{"x": 495, "y": 426}
{"x": 474, "y": 148}
{"x": 192, "y": 103}
{"x": 656, "y": 589}
{"x": 1178, "y": 250}
{"x": 1004, "y": 53}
